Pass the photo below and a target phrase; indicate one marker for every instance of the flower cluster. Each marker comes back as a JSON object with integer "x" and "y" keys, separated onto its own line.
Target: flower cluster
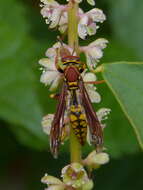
{"x": 74, "y": 176}
{"x": 56, "y": 16}
{"x": 54, "y": 73}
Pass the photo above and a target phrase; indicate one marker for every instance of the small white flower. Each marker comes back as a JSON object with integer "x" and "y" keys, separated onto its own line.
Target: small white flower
{"x": 53, "y": 12}
{"x": 87, "y": 22}
{"x": 50, "y": 75}
{"x": 94, "y": 159}
{"x": 50, "y": 180}
{"x": 91, "y": 89}
{"x": 93, "y": 94}
{"x": 56, "y": 15}
{"x": 46, "y": 123}
{"x": 96, "y": 15}
{"x": 94, "y": 52}
{"x": 74, "y": 175}
{"x": 53, "y": 183}
{"x": 102, "y": 115}
{"x": 51, "y": 52}
{"x": 63, "y": 23}
{"x": 91, "y": 2}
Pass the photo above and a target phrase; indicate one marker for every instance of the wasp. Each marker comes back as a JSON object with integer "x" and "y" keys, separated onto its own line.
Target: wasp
{"x": 74, "y": 104}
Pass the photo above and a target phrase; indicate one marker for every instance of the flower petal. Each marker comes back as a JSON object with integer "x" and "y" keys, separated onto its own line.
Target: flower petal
{"x": 91, "y": 29}
{"x": 49, "y": 2}
{"x": 63, "y": 28}
{"x": 100, "y": 43}
{"x": 55, "y": 18}
{"x": 93, "y": 94}
{"x": 94, "y": 159}
{"x": 91, "y": 62}
{"x": 46, "y": 13}
{"x": 55, "y": 83}
{"x": 91, "y": 2}
{"x": 82, "y": 26}
{"x": 88, "y": 76}
{"x": 94, "y": 52}
{"x": 101, "y": 158}
{"x": 74, "y": 175}
{"x": 88, "y": 185}
{"x": 46, "y": 123}
{"x": 48, "y": 77}
{"x": 63, "y": 22}
{"x": 102, "y": 113}
{"x": 51, "y": 180}
{"x": 96, "y": 15}
{"x": 48, "y": 64}
{"x": 51, "y": 52}
{"x": 82, "y": 32}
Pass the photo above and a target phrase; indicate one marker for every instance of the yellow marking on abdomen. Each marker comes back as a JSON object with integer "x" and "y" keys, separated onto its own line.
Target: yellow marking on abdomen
{"x": 78, "y": 123}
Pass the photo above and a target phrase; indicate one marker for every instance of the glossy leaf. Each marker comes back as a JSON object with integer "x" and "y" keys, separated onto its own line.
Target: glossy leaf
{"x": 125, "y": 81}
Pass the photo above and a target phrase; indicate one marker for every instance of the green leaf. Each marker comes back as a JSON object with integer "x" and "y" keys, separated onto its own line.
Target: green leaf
{"x": 13, "y": 27}
{"x": 19, "y": 103}
{"x": 125, "y": 81}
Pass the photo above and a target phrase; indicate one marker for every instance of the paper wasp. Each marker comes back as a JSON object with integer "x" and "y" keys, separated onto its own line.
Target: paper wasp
{"x": 74, "y": 104}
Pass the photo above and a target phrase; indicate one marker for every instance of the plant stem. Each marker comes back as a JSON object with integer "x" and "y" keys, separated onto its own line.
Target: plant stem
{"x": 73, "y": 26}
{"x": 75, "y": 147}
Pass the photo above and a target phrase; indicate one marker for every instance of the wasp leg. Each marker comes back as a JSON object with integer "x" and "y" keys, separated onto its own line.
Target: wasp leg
{"x": 95, "y": 82}
{"x": 55, "y": 96}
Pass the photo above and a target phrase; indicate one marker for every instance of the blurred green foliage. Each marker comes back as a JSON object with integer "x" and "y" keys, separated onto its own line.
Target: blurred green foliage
{"x": 24, "y": 38}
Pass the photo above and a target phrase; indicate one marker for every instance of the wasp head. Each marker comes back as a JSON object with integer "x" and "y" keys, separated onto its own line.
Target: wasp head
{"x": 68, "y": 59}
{"x": 71, "y": 61}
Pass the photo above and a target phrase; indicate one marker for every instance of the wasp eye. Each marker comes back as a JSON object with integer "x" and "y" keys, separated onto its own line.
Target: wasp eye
{"x": 60, "y": 70}
{"x": 81, "y": 70}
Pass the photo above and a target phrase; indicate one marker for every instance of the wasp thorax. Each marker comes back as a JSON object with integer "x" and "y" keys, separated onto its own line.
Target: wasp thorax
{"x": 71, "y": 74}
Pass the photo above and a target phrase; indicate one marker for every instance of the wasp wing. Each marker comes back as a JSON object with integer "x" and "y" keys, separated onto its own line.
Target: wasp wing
{"x": 58, "y": 122}
{"x": 95, "y": 128}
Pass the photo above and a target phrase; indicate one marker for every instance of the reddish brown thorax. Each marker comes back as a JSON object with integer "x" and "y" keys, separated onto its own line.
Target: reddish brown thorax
{"x": 71, "y": 74}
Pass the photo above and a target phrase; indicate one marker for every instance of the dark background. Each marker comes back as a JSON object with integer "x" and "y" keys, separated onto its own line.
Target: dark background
{"x": 24, "y": 38}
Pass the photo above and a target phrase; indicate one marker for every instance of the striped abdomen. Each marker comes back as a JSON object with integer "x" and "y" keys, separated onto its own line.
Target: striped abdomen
{"x": 78, "y": 123}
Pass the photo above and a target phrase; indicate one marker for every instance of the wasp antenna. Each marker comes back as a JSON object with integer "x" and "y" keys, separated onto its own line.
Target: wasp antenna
{"x": 60, "y": 40}
{"x": 73, "y": 49}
